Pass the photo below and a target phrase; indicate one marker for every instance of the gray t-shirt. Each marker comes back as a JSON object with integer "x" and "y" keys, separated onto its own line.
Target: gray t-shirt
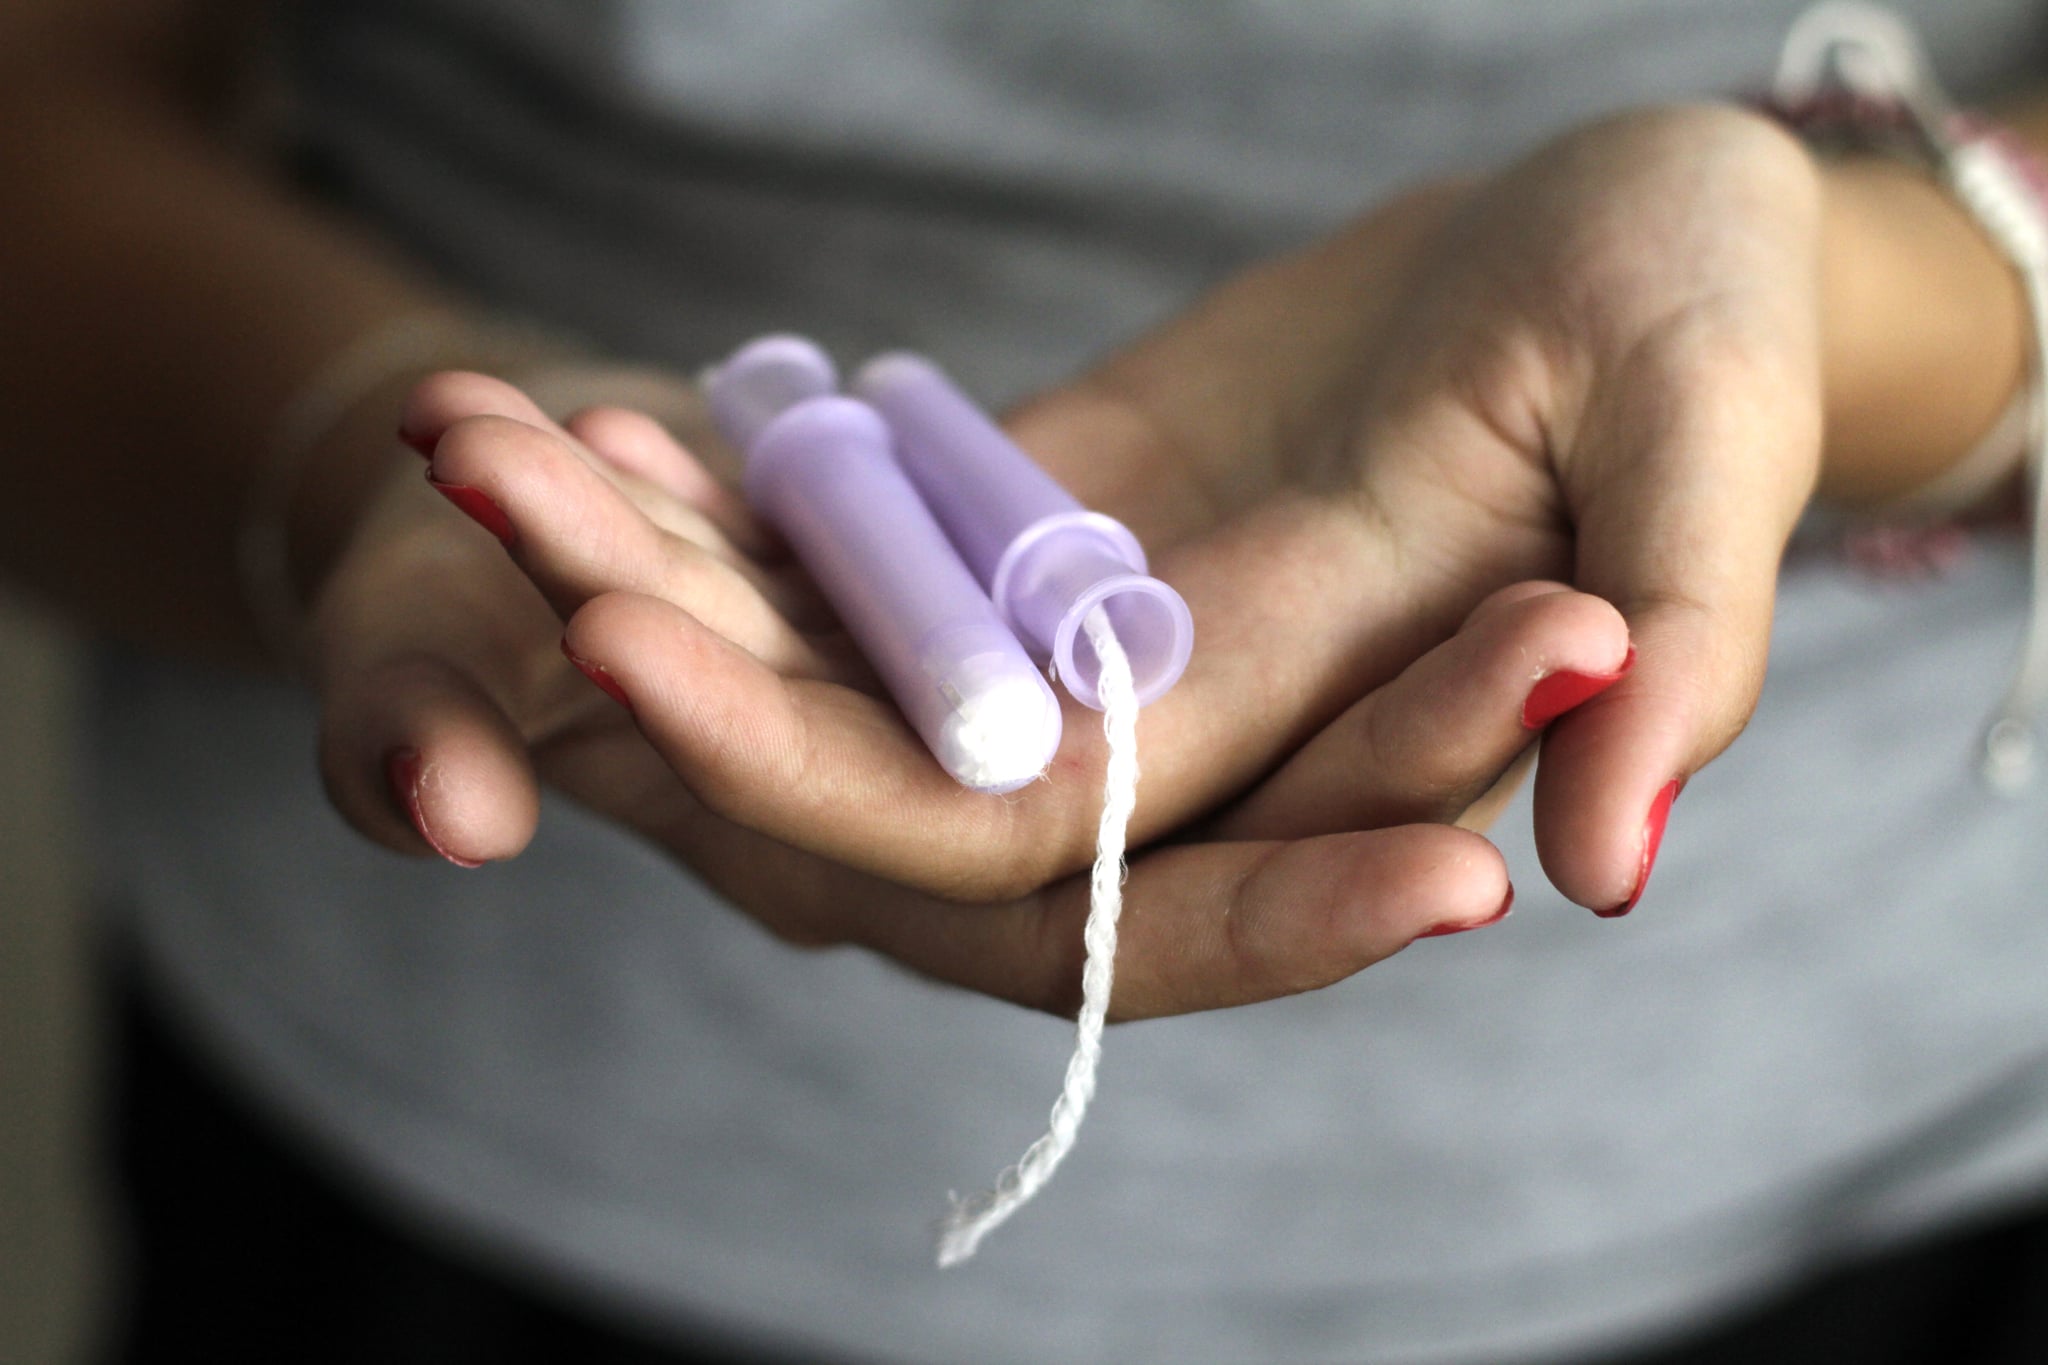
{"x": 1824, "y": 1030}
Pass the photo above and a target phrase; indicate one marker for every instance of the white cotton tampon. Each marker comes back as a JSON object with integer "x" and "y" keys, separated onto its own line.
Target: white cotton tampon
{"x": 820, "y": 467}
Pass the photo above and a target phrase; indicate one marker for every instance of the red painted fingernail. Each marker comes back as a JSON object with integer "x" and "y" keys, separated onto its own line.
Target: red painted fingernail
{"x": 1559, "y": 692}
{"x": 598, "y": 674}
{"x": 1653, "y": 835}
{"x": 417, "y": 441}
{"x": 477, "y": 506}
{"x": 1439, "y": 930}
{"x": 402, "y": 768}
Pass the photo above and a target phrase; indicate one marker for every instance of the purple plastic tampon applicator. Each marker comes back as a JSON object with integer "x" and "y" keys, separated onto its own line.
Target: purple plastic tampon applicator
{"x": 1045, "y": 560}
{"x": 821, "y": 468}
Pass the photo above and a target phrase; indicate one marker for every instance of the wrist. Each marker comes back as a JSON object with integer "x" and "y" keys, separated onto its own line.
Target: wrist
{"x": 337, "y": 441}
{"x": 1924, "y": 326}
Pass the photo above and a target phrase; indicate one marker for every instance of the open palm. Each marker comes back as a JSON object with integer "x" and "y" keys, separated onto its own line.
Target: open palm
{"x": 1361, "y": 465}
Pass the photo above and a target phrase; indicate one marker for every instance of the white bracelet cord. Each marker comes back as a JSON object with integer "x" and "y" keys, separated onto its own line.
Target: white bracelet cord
{"x": 1875, "y": 54}
{"x": 2011, "y": 211}
{"x": 973, "y": 1219}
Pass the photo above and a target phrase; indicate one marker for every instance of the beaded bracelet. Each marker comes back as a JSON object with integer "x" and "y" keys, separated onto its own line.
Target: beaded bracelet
{"x": 1854, "y": 76}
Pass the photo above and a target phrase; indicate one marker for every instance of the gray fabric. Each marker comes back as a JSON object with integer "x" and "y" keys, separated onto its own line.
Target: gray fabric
{"x": 1825, "y": 1028}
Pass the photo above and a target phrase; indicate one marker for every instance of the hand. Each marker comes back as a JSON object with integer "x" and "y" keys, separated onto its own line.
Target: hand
{"x": 1601, "y": 366}
{"x": 431, "y": 645}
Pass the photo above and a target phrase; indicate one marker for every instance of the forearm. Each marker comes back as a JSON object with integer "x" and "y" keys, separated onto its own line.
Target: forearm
{"x": 163, "y": 301}
{"x": 1925, "y": 325}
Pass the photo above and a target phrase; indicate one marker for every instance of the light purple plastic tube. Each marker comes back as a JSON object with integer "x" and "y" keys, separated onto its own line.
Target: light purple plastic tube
{"x": 1045, "y": 560}
{"x": 820, "y": 467}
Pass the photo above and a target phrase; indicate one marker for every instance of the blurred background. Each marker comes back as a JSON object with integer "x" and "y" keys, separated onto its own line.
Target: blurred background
{"x": 52, "y": 1247}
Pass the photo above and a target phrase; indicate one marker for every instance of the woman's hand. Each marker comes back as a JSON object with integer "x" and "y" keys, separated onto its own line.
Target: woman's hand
{"x": 447, "y": 698}
{"x": 1601, "y": 367}
{"x": 1607, "y": 365}
{"x": 1364, "y": 465}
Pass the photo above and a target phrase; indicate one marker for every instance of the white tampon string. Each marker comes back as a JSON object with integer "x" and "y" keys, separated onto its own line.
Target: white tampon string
{"x": 973, "y": 1219}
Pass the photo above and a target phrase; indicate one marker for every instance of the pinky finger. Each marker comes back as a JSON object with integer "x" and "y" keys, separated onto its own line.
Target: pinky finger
{"x": 417, "y": 757}
{"x": 1208, "y": 926}
{"x": 1220, "y": 925}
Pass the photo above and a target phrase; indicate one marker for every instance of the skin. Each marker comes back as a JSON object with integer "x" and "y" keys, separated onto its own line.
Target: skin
{"x": 1492, "y": 430}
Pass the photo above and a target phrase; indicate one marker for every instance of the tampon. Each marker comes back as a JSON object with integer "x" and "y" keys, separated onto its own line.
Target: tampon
{"x": 820, "y": 467}
{"x": 1045, "y": 560}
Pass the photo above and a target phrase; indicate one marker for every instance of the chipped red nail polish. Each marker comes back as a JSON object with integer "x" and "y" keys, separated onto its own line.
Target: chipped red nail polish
{"x": 413, "y": 441}
{"x": 1559, "y": 692}
{"x": 1653, "y": 837}
{"x": 402, "y": 769}
{"x": 477, "y": 506}
{"x": 1439, "y": 930}
{"x": 598, "y": 674}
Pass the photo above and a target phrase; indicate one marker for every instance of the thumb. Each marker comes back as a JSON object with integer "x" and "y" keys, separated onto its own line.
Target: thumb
{"x": 1689, "y": 472}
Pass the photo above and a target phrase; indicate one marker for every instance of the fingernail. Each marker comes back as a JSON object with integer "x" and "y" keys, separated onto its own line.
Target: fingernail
{"x": 477, "y": 506}
{"x": 417, "y": 441}
{"x": 1653, "y": 835}
{"x": 1559, "y": 692}
{"x": 598, "y": 674}
{"x": 1439, "y": 930}
{"x": 402, "y": 768}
